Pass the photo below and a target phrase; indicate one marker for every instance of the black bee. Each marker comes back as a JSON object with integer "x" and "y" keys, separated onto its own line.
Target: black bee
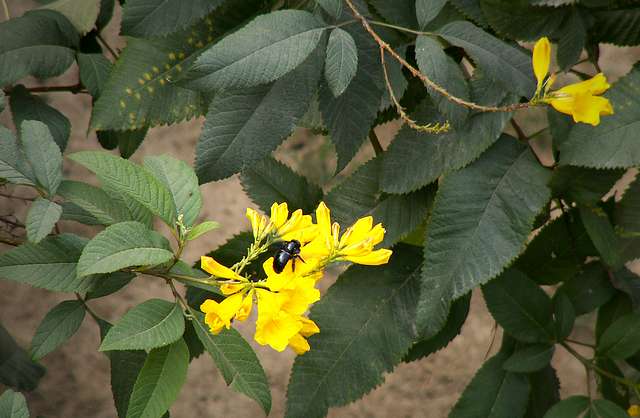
{"x": 290, "y": 250}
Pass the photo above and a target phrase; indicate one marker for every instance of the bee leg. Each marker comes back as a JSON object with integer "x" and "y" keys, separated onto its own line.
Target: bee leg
{"x": 301, "y": 259}
{"x": 293, "y": 264}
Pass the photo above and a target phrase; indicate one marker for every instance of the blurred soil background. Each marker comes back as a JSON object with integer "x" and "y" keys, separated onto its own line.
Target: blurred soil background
{"x": 77, "y": 382}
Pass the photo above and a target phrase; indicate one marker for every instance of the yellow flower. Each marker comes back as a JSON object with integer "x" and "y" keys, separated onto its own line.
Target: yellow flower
{"x": 634, "y": 411}
{"x": 355, "y": 245}
{"x": 219, "y": 315}
{"x": 299, "y": 291}
{"x": 245, "y": 309}
{"x": 298, "y": 342}
{"x": 298, "y": 226}
{"x": 214, "y": 268}
{"x": 581, "y": 100}
{"x": 275, "y": 327}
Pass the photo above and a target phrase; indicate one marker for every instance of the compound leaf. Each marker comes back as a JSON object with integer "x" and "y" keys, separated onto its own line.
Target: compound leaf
{"x": 57, "y": 327}
{"x": 41, "y": 218}
{"x": 341, "y": 62}
{"x": 43, "y": 154}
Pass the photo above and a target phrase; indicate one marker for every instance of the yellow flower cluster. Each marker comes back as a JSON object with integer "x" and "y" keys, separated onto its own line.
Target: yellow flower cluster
{"x": 284, "y": 297}
{"x": 634, "y": 411}
{"x": 581, "y": 100}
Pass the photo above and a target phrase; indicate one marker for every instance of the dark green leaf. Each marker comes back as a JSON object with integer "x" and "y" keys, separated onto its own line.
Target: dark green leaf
{"x": 333, "y": 7}
{"x": 560, "y": 126}
{"x": 619, "y": 27}
{"x": 42, "y": 153}
{"x": 341, "y": 62}
{"x": 572, "y": 39}
{"x": 622, "y": 338}
{"x": 627, "y": 212}
{"x": 453, "y": 327}
{"x": 570, "y": 407}
{"x": 201, "y": 229}
{"x": 132, "y": 181}
{"x": 615, "y": 308}
{"x": 237, "y": 362}
{"x": 611, "y": 144}
{"x": 564, "y": 315}
{"x": 603, "y": 236}
{"x": 602, "y": 408}
{"x": 106, "y": 13}
{"x": 356, "y": 344}
{"x": 50, "y": 264}
{"x": 125, "y": 367}
{"x": 270, "y": 181}
{"x": 481, "y": 219}
{"x": 493, "y": 392}
{"x": 81, "y": 13}
{"x": 427, "y": 10}
{"x": 518, "y": 19}
{"x": 261, "y": 52}
{"x": 17, "y": 370}
{"x": 154, "y": 323}
{"x": 104, "y": 208}
{"x": 159, "y": 382}
{"x": 181, "y": 182}
{"x": 13, "y": 165}
{"x": 152, "y": 18}
{"x": 506, "y": 65}
{"x": 241, "y": 128}
{"x": 545, "y": 392}
{"x": 472, "y": 10}
{"x": 589, "y": 289}
{"x": 110, "y": 284}
{"x": 520, "y": 306}
{"x": 13, "y": 405}
{"x": 611, "y": 389}
{"x": 529, "y": 358}
{"x": 94, "y": 71}
{"x": 444, "y": 71}
{"x": 38, "y": 43}
{"x": 57, "y": 327}
{"x": 126, "y": 244}
{"x": 584, "y": 186}
{"x": 628, "y": 282}
{"x": 41, "y": 218}
{"x": 25, "y": 106}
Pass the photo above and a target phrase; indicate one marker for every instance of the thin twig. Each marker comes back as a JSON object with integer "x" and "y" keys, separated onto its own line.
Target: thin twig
{"x": 521, "y": 135}
{"x": 400, "y": 28}
{"x": 426, "y": 80}
{"x": 580, "y": 343}
{"x": 113, "y": 53}
{"x": 75, "y": 89}
{"x": 10, "y": 241}
{"x": 430, "y": 127}
{"x": 87, "y": 308}
{"x": 6, "y": 10}
{"x": 375, "y": 142}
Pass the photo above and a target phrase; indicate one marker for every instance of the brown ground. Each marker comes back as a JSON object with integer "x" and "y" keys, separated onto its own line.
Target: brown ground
{"x": 77, "y": 379}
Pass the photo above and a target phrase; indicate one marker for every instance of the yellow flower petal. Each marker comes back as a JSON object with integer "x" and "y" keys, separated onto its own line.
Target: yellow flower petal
{"x": 594, "y": 86}
{"x": 374, "y": 258}
{"x": 214, "y": 268}
{"x": 541, "y": 60}
{"x": 357, "y": 232}
{"x": 274, "y": 326}
{"x": 583, "y": 107}
{"x": 219, "y": 315}
{"x": 634, "y": 411}
{"x": 308, "y": 327}
{"x": 231, "y": 288}
{"x": 254, "y": 218}
{"x": 299, "y": 344}
{"x": 279, "y": 214}
{"x": 245, "y": 309}
{"x": 323, "y": 220}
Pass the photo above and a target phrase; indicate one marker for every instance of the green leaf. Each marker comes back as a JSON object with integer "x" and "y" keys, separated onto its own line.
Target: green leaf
{"x": 572, "y": 36}
{"x": 611, "y": 144}
{"x": 627, "y": 212}
{"x": 43, "y": 154}
{"x": 104, "y": 208}
{"x": 81, "y": 13}
{"x": 41, "y": 218}
{"x": 627, "y": 281}
{"x": 602, "y": 408}
{"x": 153, "y": 18}
{"x": 519, "y": 20}
{"x": 618, "y": 27}
{"x": 17, "y": 370}
{"x": 359, "y": 341}
{"x": 564, "y": 315}
{"x": 569, "y": 407}
{"x": 622, "y": 338}
{"x": 557, "y": 252}
{"x": 529, "y": 359}
{"x": 125, "y": 368}
{"x": 106, "y": 13}
{"x": 126, "y": 244}
{"x": 57, "y": 327}
{"x": 132, "y": 181}
{"x": 589, "y": 289}
{"x": 603, "y": 236}
{"x": 333, "y": 7}
{"x": 472, "y": 10}
{"x": 13, "y": 165}
{"x": 427, "y": 10}
{"x": 264, "y": 50}
{"x": 359, "y": 195}
{"x": 94, "y": 72}
{"x": 13, "y": 405}
{"x": 181, "y": 181}
{"x": 201, "y": 229}
{"x": 545, "y": 392}
{"x": 493, "y": 392}
{"x": 444, "y": 71}
{"x": 241, "y": 129}
{"x": 37, "y": 43}
{"x": 342, "y": 61}
{"x": 349, "y": 117}
{"x": 614, "y": 309}
{"x": 584, "y": 186}
{"x": 402, "y": 12}
{"x": 453, "y": 327}
{"x": 154, "y": 323}
{"x": 159, "y": 382}
{"x": 506, "y": 65}
{"x": 237, "y": 362}
{"x": 25, "y": 106}
{"x": 495, "y": 200}
{"x": 50, "y": 264}
{"x": 611, "y": 389}
{"x": 271, "y": 181}
{"x": 520, "y": 306}
{"x": 415, "y": 159}
{"x": 109, "y": 284}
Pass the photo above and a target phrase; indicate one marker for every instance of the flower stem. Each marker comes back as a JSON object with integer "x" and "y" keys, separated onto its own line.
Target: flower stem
{"x": 588, "y": 364}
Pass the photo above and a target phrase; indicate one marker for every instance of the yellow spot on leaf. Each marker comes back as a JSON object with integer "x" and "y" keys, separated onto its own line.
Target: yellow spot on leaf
{"x": 199, "y": 44}
{"x": 181, "y": 55}
{"x": 147, "y": 76}
{"x": 150, "y": 89}
{"x": 190, "y": 41}
{"x": 141, "y": 81}
{"x": 172, "y": 56}
{"x": 162, "y": 82}
{"x": 138, "y": 96}
{"x": 123, "y": 104}
{"x": 129, "y": 91}
{"x": 167, "y": 66}
{"x": 209, "y": 38}
{"x": 155, "y": 69}
{"x": 178, "y": 68}
{"x": 132, "y": 116}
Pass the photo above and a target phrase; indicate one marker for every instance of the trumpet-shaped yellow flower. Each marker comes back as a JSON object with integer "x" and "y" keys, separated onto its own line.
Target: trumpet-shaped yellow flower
{"x": 214, "y": 268}
{"x": 356, "y": 244}
{"x": 219, "y": 315}
{"x": 581, "y": 100}
{"x": 275, "y": 327}
{"x": 298, "y": 226}
{"x": 298, "y": 342}
{"x": 634, "y": 411}
{"x": 299, "y": 291}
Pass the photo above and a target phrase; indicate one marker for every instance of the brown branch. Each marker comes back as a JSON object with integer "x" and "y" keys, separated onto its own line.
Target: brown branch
{"x": 75, "y": 89}
{"x": 426, "y": 80}
{"x": 375, "y": 142}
